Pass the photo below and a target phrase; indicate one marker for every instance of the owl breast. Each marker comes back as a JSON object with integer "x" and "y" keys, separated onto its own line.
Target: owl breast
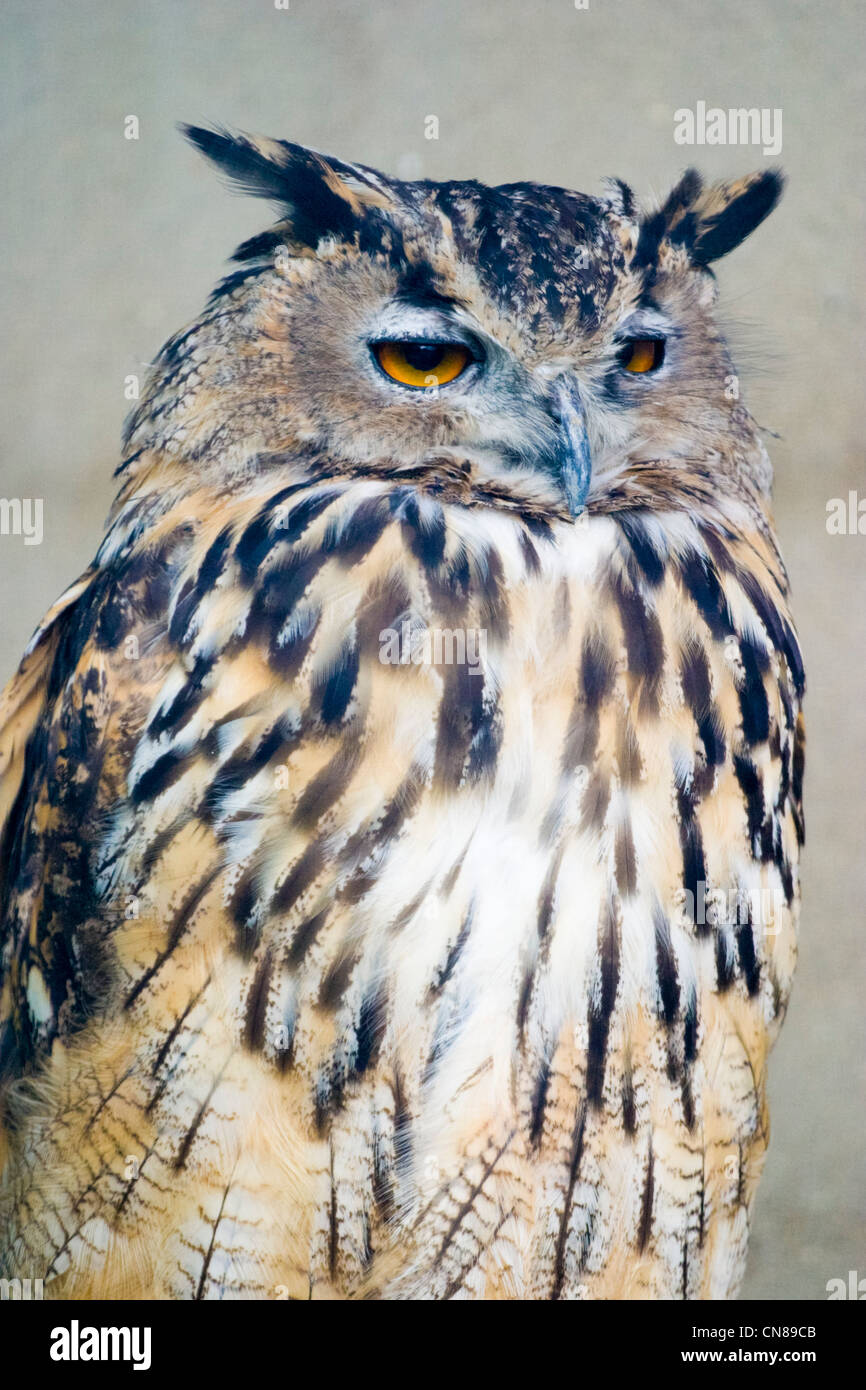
{"x": 452, "y": 896}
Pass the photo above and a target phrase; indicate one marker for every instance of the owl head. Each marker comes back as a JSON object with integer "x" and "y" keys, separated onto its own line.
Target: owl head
{"x": 537, "y": 346}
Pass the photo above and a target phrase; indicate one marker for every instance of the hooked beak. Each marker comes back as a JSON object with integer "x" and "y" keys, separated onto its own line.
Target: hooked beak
{"x": 574, "y": 465}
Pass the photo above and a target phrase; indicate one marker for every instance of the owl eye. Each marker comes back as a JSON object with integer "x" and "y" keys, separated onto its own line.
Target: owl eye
{"x": 420, "y": 364}
{"x": 642, "y": 354}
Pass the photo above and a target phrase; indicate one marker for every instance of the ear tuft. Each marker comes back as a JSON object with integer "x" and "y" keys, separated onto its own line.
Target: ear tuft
{"x": 620, "y": 197}
{"x": 248, "y": 163}
{"x": 318, "y": 196}
{"x": 708, "y": 222}
{"x": 729, "y": 212}
{"x": 683, "y": 195}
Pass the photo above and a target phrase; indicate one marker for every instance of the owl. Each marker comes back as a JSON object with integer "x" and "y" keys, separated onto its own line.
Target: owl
{"x": 402, "y": 813}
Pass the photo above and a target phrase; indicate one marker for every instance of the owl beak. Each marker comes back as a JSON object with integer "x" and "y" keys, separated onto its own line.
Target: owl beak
{"x": 574, "y": 465}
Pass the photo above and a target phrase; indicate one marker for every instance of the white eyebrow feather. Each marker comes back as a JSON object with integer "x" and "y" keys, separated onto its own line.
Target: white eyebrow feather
{"x": 406, "y": 320}
{"x": 647, "y": 321}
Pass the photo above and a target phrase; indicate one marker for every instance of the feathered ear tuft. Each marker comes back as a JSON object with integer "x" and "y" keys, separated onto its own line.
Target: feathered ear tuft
{"x": 318, "y": 196}
{"x": 710, "y": 222}
{"x": 727, "y": 213}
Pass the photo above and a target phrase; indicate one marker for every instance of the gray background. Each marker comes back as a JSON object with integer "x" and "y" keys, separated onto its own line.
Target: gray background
{"x": 109, "y": 245}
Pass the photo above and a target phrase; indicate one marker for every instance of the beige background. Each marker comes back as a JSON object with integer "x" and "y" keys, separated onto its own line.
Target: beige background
{"x": 109, "y": 245}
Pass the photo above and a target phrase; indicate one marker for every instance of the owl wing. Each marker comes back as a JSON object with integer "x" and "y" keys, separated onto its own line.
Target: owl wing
{"x": 25, "y": 718}
{"x": 69, "y": 719}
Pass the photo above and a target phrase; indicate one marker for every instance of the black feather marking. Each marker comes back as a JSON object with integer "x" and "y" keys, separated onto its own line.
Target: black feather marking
{"x": 402, "y": 1122}
{"x": 175, "y": 1031}
{"x": 168, "y": 768}
{"x": 353, "y": 541}
{"x": 244, "y": 764}
{"x": 461, "y": 714}
{"x": 798, "y": 768}
{"x": 666, "y": 969}
{"x": 523, "y": 1001}
{"x": 384, "y": 829}
{"x": 115, "y": 618}
{"x": 645, "y": 1222}
{"x": 333, "y": 691}
{"x": 601, "y": 1007}
{"x": 214, "y": 562}
{"x": 643, "y": 636}
{"x": 486, "y": 743}
{"x": 713, "y": 738}
{"x": 690, "y": 1030}
{"x": 450, "y": 584}
{"x": 749, "y": 963}
{"x": 629, "y": 1109}
{"x": 692, "y": 846}
{"x": 724, "y": 964}
{"x": 539, "y": 1102}
{"x": 288, "y": 649}
{"x": 778, "y": 630}
{"x": 301, "y": 877}
{"x": 326, "y": 788}
{"x": 702, "y": 582}
{"x": 304, "y": 936}
{"x": 754, "y": 707}
{"x": 185, "y": 606}
{"x": 493, "y": 604}
{"x": 547, "y": 897}
{"x": 695, "y": 676}
{"x": 649, "y": 562}
{"x": 687, "y": 1100}
{"x": 370, "y": 1031}
{"x": 425, "y": 532}
{"x": 185, "y": 702}
{"x": 752, "y": 788}
{"x": 596, "y": 670}
{"x": 336, "y": 980}
{"x": 272, "y": 527}
{"x": 531, "y": 559}
{"x": 257, "y": 1003}
{"x": 229, "y": 283}
{"x": 596, "y": 799}
{"x": 455, "y": 951}
{"x": 564, "y": 1221}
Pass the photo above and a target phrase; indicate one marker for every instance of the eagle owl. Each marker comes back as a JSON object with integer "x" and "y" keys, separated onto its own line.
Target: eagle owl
{"x": 402, "y": 813}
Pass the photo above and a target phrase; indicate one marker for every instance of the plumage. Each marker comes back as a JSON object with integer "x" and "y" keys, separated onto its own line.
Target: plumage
{"x": 331, "y": 975}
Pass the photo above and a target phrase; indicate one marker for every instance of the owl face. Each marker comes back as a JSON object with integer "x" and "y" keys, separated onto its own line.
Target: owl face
{"x": 547, "y": 341}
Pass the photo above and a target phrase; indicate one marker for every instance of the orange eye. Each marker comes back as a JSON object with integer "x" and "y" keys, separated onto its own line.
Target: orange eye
{"x": 422, "y": 364}
{"x": 643, "y": 354}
